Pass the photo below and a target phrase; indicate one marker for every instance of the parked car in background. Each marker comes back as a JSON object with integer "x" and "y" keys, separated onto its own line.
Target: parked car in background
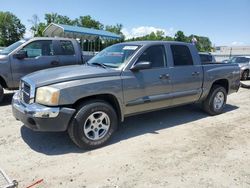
{"x": 244, "y": 64}
{"x": 206, "y": 57}
{"x": 122, "y": 80}
{"x": 27, "y": 56}
{"x": 225, "y": 61}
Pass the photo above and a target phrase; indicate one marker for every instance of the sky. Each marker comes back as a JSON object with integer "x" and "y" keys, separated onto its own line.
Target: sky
{"x": 225, "y": 22}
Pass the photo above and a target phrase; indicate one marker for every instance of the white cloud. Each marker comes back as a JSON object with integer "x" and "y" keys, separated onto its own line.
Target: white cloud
{"x": 237, "y": 43}
{"x": 144, "y": 30}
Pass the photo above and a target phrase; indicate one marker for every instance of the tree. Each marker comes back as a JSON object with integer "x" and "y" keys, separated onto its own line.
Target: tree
{"x": 115, "y": 28}
{"x": 40, "y": 29}
{"x": 11, "y": 29}
{"x": 35, "y": 23}
{"x": 158, "y": 35}
{"x": 179, "y": 36}
{"x": 88, "y": 21}
{"x": 59, "y": 19}
{"x": 203, "y": 44}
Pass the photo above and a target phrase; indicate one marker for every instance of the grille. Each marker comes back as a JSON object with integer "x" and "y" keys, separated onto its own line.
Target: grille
{"x": 25, "y": 92}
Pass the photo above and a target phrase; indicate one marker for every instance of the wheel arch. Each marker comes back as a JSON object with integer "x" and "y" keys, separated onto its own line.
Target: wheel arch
{"x": 222, "y": 82}
{"x": 109, "y": 98}
{"x": 3, "y": 82}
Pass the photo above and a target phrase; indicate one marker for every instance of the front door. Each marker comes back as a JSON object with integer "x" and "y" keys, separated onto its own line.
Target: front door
{"x": 40, "y": 55}
{"x": 148, "y": 89}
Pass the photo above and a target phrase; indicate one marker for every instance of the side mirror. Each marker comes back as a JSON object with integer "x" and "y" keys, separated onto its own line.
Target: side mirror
{"x": 21, "y": 54}
{"x": 141, "y": 65}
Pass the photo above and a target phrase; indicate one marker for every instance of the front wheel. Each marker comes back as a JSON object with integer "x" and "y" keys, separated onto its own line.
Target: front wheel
{"x": 93, "y": 124}
{"x": 1, "y": 93}
{"x": 215, "y": 101}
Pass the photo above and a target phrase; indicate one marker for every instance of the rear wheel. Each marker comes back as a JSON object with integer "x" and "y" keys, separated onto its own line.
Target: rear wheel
{"x": 245, "y": 75}
{"x": 1, "y": 93}
{"x": 216, "y": 100}
{"x": 93, "y": 124}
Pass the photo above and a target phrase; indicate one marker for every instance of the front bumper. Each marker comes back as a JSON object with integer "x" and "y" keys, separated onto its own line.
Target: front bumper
{"x": 41, "y": 118}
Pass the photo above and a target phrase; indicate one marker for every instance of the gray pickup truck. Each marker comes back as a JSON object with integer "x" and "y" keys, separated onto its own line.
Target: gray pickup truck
{"x": 122, "y": 80}
{"x": 27, "y": 56}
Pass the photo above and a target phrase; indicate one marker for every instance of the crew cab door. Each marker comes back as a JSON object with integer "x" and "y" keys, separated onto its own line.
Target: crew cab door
{"x": 66, "y": 52}
{"x": 186, "y": 74}
{"x": 147, "y": 89}
{"x": 39, "y": 55}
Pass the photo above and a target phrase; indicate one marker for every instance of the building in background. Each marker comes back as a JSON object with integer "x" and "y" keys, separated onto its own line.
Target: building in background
{"x": 225, "y": 52}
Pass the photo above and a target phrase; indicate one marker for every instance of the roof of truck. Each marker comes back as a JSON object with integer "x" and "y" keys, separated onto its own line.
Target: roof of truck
{"x": 51, "y": 38}
{"x": 155, "y": 42}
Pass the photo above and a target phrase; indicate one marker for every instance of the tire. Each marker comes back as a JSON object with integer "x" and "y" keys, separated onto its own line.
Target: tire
{"x": 218, "y": 93}
{"x": 93, "y": 124}
{"x": 245, "y": 75}
{"x": 1, "y": 93}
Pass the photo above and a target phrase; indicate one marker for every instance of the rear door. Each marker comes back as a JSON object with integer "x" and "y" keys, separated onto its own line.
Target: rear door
{"x": 66, "y": 53}
{"x": 40, "y": 55}
{"x": 148, "y": 89}
{"x": 186, "y": 74}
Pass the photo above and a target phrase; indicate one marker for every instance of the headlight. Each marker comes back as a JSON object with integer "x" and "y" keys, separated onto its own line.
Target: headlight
{"x": 47, "y": 95}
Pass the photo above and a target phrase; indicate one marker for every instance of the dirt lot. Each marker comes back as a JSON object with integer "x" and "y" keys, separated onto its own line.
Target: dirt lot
{"x": 180, "y": 147}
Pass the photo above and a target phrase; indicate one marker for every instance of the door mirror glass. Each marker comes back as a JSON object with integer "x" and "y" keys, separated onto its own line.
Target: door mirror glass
{"x": 21, "y": 54}
{"x": 141, "y": 65}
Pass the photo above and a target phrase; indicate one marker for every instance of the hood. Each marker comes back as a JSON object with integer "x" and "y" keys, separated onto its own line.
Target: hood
{"x": 68, "y": 73}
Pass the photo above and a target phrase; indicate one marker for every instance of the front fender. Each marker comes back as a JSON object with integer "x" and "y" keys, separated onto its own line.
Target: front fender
{"x": 72, "y": 91}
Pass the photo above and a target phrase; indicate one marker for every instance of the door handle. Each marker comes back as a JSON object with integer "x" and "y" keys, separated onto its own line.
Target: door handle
{"x": 195, "y": 73}
{"x": 164, "y": 76}
{"x": 54, "y": 63}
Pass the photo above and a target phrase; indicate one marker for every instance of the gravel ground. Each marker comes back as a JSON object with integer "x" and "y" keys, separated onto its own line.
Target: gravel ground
{"x": 180, "y": 147}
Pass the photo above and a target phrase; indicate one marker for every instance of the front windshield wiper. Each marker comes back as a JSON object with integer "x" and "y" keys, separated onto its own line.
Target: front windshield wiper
{"x": 98, "y": 64}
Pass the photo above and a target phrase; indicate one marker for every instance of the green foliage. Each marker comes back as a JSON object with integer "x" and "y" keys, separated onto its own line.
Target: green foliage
{"x": 203, "y": 44}
{"x": 158, "y": 35}
{"x": 56, "y": 18}
{"x": 40, "y": 29}
{"x": 179, "y": 36}
{"x": 88, "y": 21}
{"x": 11, "y": 29}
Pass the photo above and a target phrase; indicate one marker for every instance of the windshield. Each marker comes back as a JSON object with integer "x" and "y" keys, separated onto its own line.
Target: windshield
{"x": 114, "y": 56}
{"x": 239, "y": 60}
{"x": 12, "y": 47}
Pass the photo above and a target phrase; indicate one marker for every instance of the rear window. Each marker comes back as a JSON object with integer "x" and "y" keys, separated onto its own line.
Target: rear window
{"x": 206, "y": 58}
{"x": 67, "y": 48}
{"x": 181, "y": 55}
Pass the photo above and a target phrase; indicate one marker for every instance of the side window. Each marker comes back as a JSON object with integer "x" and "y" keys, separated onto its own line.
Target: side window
{"x": 209, "y": 58}
{"x": 39, "y": 48}
{"x": 248, "y": 59}
{"x": 67, "y": 48}
{"x": 155, "y": 55}
{"x": 181, "y": 55}
{"x": 203, "y": 58}
{"x": 243, "y": 60}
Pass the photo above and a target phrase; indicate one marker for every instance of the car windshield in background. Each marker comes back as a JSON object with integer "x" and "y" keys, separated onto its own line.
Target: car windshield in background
{"x": 239, "y": 60}
{"x": 114, "y": 56}
{"x": 12, "y": 47}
